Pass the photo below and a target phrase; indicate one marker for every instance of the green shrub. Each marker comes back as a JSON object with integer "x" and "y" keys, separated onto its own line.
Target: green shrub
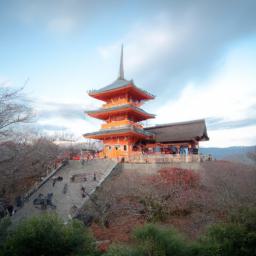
{"x": 4, "y": 225}
{"x": 223, "y": 239}
{"x": 48, "y": 235}
{"x": 152, "y": 240}
{"x": 119, "y": 250}
{"x": 246, "y": 217}
{"x": 159, "y": 241}
{"x": 238, "y": 237}
{"x": 155, "y": 211}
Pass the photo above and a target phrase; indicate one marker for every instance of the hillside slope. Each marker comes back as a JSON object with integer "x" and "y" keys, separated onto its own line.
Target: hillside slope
{"x": 187, "y": 196}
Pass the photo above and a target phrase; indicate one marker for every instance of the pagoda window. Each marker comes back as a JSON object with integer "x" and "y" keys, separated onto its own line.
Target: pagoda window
{"x": 125, "y": 147}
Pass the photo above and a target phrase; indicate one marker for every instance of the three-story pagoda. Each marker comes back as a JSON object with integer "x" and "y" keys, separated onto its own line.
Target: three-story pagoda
{"x": 122, "y": 114}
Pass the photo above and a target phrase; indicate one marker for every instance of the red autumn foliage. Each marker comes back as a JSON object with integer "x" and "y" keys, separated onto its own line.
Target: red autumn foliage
{"x": 120, "y": 230}
{"x": 185, "y": 178}
{"x": 103, "y": 246}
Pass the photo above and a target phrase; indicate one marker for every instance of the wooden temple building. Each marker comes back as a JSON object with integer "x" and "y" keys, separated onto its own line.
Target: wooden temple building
{"x": 123, "y": 135}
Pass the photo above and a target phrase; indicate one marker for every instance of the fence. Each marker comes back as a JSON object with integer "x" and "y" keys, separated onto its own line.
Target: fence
{"x": 166, "y": 158}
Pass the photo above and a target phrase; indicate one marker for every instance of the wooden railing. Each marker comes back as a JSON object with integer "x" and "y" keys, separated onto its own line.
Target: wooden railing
{"x": 115, "y": 124}
{"x": 163, "y": 158}
{"x": 121, "y": 102}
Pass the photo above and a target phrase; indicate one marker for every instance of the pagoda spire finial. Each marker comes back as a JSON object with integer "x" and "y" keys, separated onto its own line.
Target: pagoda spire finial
{"x": 121, "y": 68}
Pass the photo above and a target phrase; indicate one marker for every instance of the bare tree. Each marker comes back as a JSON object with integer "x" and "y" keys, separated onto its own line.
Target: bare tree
{"x": 23, "y": 162}
{"x": 13, "y": 110}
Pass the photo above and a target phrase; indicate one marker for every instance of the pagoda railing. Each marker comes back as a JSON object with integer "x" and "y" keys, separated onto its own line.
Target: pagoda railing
{"x": 121, "y": 101}
{"x": 115, "y": 124}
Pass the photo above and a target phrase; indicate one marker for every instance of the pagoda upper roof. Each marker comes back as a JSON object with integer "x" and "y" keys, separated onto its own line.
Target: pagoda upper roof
{"x": 120, "y": 131}
{"x": 116, "y": 84}
{"x": 102, "y": 113}
{"x": 120, "y": 85}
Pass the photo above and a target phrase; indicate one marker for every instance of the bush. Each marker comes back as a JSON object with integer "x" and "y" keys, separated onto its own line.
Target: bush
{"x": 4, "y": 225}
{"x": 237, "y": 237}
{"x": 155, "y": 210}
{"x": 224, "y": 239}
{"x": 246, "y": 217}
{"x": 152, "y": 240}
{"x": 119, "y": 250}
{"x": 48, "y": 235}
{"x": 158, "y": 241}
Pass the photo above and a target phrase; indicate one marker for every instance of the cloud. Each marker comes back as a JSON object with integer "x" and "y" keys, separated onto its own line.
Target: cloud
{"x": 245, "y": 136}
{"x": 69, "y": 111}
{"x": 143, "y": 45}
{"x": 5, "y": 82}
{"x": 63, "y": 116}
{"x": 183, "y": 41}
{"x": 50, "y": 128}
{"x": 58, "y": 16}
{"x": 226, "y": 99}
{"x": 63, "y": 24}
{"x": 220, "y": 124}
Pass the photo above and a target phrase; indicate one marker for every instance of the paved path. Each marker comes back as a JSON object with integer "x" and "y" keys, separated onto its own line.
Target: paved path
{"x": 68, "y": 203}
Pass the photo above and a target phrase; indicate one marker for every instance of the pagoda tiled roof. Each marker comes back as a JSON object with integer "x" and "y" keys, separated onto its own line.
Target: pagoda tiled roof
{"x": 121, "y": 130}
{"x": 119, "y": 107}
{"x": 118, "y": 84}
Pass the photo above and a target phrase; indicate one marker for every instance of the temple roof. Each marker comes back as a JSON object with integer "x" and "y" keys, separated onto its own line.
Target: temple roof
{"x": 115, "y": 85}
{"x": 120, "y": 131}
{"x": 120, "y": 108}
{"x": 180, "y": 132}
{"x": 118, "y": 86}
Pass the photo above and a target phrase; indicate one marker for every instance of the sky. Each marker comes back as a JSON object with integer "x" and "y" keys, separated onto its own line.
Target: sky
{"x": 197, "y": 57}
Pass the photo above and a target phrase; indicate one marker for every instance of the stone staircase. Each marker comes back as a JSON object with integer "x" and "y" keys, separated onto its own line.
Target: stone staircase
{"x": 69, "y": 194}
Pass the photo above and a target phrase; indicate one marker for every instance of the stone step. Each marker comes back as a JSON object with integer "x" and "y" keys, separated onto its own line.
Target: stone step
{"x": 68, "y": 194}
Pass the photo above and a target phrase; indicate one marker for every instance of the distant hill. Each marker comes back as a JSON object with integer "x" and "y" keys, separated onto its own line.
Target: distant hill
{"x": 237, "y": 154}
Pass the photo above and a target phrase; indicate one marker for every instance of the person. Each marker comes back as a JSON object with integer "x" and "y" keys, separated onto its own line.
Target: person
{"x": 94, "y": 177}
{"x": 10, "y": 209}
{"x": 83, "y": 192}
{"x": 18, "y": 201}
{"x": 65, "y": 188}
{"x": 44, "y": 204}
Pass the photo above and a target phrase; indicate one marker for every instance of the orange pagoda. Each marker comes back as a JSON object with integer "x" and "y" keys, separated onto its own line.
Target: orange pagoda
{"x": 122, "y": 131}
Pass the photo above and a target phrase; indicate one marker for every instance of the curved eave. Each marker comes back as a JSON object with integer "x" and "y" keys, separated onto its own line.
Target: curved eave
{"x": 203, "y": 138}
{"x": 118, "y": 132}
{"x": 105, "y": 95}
{"x": 103, "y": 114}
